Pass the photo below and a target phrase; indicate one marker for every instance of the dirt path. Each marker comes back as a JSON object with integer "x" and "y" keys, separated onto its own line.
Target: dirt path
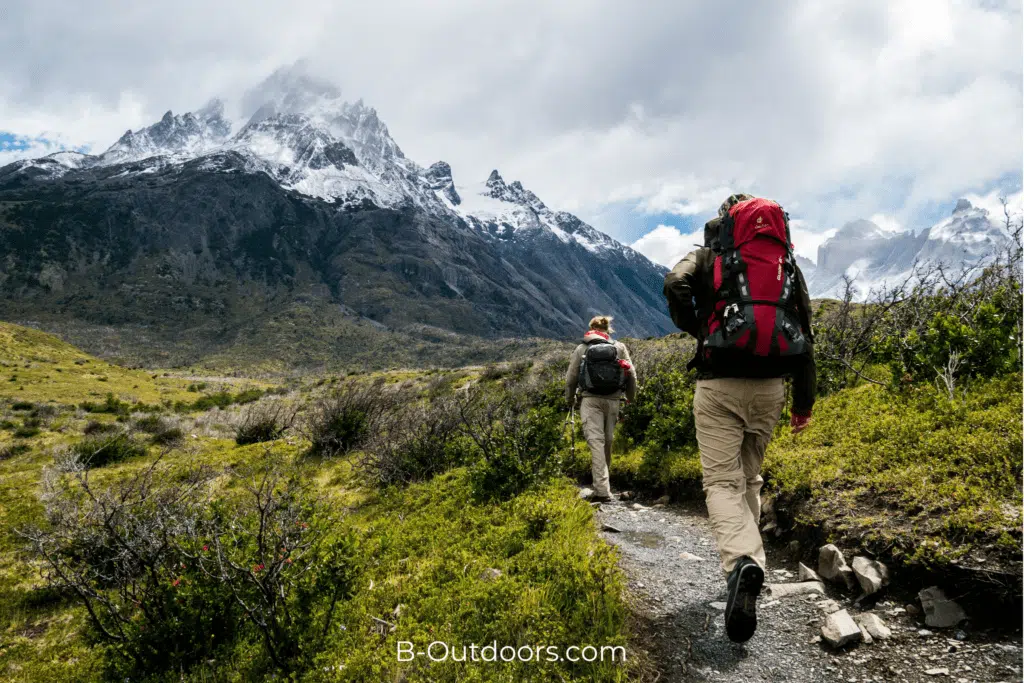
{"x": 669, "y": 556}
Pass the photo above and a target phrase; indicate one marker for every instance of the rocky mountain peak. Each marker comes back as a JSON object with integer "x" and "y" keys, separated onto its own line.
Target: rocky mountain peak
{"x": 962, "y": 205}
{"x": 439, "y": 178}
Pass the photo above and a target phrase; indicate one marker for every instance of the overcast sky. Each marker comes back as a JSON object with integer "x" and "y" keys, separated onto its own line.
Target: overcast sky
{"x": 638, "y": 116}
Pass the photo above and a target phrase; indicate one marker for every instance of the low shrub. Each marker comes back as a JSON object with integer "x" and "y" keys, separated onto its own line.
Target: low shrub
{"x": 265, "y": 421}
{"x": 517, "y": 444}
{"x": 111, "y": 404}
{"x": 342, "y": 419}
{"x": 22, "y": 405}
{"x": 415, "y": 441}
{"x": 12, "y": 450}
{"x": 170, "y": 575}
{"x": 96, "y": 427}
{"x": 103, "y": 449}
{"x": 169, "y": 435}
{"x": 30, "y": 427}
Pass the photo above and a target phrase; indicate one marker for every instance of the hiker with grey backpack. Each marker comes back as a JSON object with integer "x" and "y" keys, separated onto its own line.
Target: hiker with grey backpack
{"x": 600, "y": 375}
{"x": 744, "y": 299}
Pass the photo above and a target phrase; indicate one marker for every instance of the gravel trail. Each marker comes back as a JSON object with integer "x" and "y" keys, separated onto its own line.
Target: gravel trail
{"x": 669, "y": 556}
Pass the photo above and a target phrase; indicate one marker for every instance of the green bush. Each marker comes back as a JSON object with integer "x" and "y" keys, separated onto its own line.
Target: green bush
{"x": 12, "y": 450}
{"x": 103, "y": 449}
{"x": 168, "y": 435}
{"x": 96, "y": 427}
{"x": 263, "y": 422}
{"x": 111, "y": 404}
{"x": 517, "y": 448}
{"x": 341, "y": 420}
{"x": 30, "y": 427}
{"x": 415, "y": 441}
{"x": 661, "y": 417}
{"x": 22, "y": 405}
{"x": 172, "y": 575}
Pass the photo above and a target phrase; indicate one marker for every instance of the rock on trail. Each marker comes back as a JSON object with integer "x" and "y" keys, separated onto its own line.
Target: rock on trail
{"x": 679, "y": 601}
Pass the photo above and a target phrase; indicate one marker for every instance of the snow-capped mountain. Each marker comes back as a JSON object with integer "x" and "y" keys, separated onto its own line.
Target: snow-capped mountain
{"x": 302, "y": 133}
{"x": 875, "y": 257}
{"x": 192, "y": 221}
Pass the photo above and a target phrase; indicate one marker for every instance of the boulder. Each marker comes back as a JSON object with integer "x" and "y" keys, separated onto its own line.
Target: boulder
{"x": 871, "y": 575}
{"x": 874, "y": 625}
{"x": 808, "y": 574}
{"x": 490, "y": 574}
{"x": 664, "y": 500}
{"x": 586, "y": 493}
{"x": 783, "y": 590}
{"x": 940, "y": 611}
{"x": 832, "y": 566}
{"x": 840, "y": 629}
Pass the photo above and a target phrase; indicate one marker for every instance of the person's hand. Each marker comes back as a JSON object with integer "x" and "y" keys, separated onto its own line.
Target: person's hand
{"x": 799, "y": 423}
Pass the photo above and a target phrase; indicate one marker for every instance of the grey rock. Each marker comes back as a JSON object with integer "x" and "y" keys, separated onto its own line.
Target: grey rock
{"x": 490, "y": 574}
{"x": 664, "y": 500}
{"x": 937, "y": 672}
{"x": 783, "y": 590}
{"x": 840, "y": 629}
{"x": 940, "y": 611}
{"x": 718, "y": 605}
{"x": 586, "y": 493}
{"x": 871, "y": 574}
{"x": 691, "y": 557}
{"x": 874, "y": 625}
{"x": 832, "y": 566}
{"x": 808, "y": 574}
{"x": 828, "y": 606}
{"x": 610, "y": 528}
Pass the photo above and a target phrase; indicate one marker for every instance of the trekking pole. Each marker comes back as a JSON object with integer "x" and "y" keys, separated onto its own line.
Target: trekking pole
{"x": 572, "y": 430}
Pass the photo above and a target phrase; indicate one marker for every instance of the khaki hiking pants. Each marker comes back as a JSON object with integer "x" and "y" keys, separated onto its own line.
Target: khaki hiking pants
{"x": 734, "y": 419}
{"x": 599, "y": 416}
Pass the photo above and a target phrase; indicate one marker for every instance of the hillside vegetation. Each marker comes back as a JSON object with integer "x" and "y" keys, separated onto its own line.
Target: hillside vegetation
{"x": 142, "y": 541}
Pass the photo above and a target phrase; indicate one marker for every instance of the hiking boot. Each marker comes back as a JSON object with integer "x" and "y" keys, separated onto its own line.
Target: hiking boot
{"x": 744, "y": 585}
{"x": 604, "y": 499}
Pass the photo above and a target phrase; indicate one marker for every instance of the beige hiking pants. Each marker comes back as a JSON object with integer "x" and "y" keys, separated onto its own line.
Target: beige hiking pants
{"x": 599, "y": 416}
{"x": 734, "y": 419}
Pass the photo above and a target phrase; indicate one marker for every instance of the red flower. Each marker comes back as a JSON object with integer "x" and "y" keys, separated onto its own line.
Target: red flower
{"x": 176, "y": 581}
{"x": 205, "y": 548}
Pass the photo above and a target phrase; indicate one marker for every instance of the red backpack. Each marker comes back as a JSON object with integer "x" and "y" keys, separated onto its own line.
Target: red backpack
{"x": 754, "y": 304}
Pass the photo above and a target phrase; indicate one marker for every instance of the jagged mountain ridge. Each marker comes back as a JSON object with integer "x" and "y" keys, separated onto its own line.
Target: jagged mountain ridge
{"x": 875, "y": 257}
{"x": 201, "y": 223}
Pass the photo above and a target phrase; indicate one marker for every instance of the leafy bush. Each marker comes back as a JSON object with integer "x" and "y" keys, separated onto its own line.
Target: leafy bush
{"x": 341, "y": 420}
{"x": 517, "y": 444}
{"x": 30, "y": 427}
{"x": 97, "y": 427}
{"x": 151, "y": 424}
{"x": 262, "y": 422}
{"x": 111, "y": 404}
{"x": 170, "y": 575}
{"x": 12, "y": 450}
{"x": 661, "y": 417}
{"x": 22, "y": 405}
{"x": 169, "y": 435}
{"x": 103, "y": 449}
{"x": 414, "y": 441}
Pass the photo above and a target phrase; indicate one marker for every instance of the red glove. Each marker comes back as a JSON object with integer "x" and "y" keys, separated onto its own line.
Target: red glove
{"x": 799, "y": 422}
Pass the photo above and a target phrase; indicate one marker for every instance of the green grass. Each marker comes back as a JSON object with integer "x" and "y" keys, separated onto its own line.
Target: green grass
{"x": 932, "y": 480}
{"x": 427, "y": 547}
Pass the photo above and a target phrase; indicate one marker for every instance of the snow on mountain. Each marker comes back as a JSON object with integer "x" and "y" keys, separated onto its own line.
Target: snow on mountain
{"x": 506, "y": 210}
{"x": 875, "y": 257}
{"x": 185, "y": 136}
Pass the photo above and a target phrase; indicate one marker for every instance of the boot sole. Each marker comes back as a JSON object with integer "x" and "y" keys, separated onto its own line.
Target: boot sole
{"x": 741, "y": 613}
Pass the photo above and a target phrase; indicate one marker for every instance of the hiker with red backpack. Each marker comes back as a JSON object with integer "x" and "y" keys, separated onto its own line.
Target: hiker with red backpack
{"x": 600, "y": 375}
{"x": 744, "y": 299}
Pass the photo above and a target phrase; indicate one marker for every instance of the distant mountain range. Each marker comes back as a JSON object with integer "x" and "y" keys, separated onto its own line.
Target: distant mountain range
{"x": 217, "y": 232}
{"x": 874, "y": 257}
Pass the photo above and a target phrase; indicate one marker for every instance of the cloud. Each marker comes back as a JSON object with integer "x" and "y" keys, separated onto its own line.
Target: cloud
{"x": 667, "y": 245}
{"x": 588, "y": 103}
